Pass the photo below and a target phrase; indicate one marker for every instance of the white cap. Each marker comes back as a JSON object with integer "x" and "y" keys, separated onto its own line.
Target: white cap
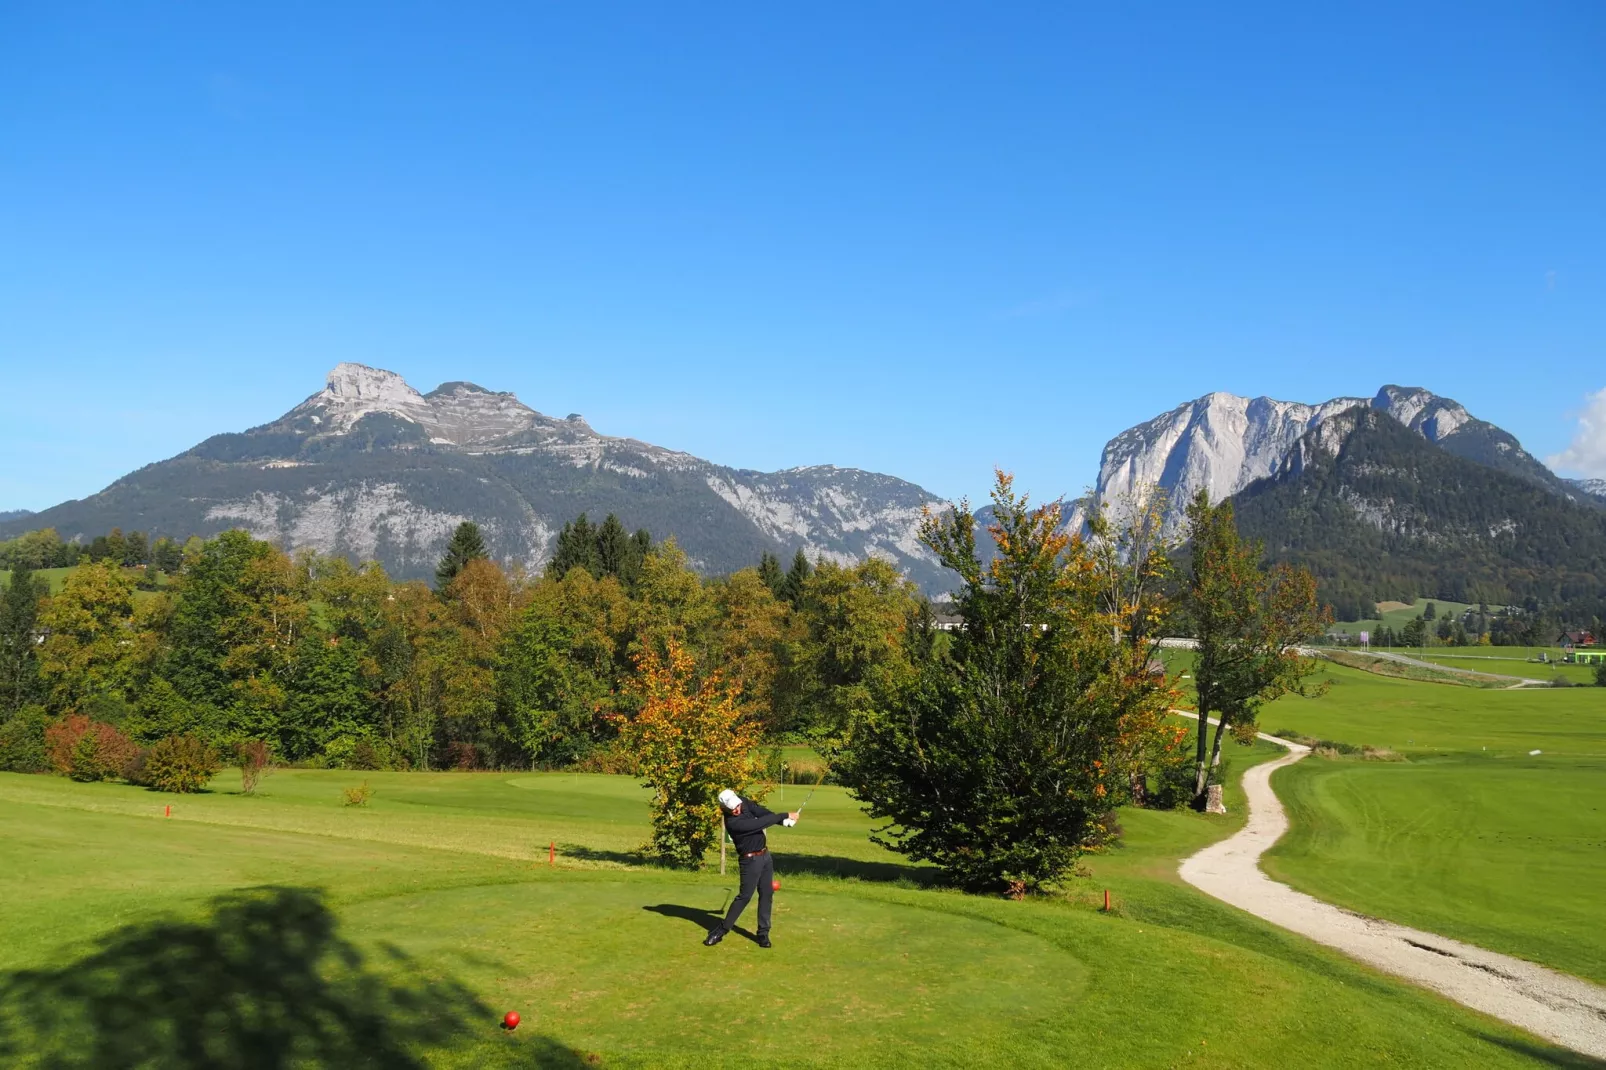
{"x": 729, "y": 799}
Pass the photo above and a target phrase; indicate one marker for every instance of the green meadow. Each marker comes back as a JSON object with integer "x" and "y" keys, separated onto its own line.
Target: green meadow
{"x": 1474, "y": 836}
{"x": 1398, "y": 618}
{"x": 398, "y": 933}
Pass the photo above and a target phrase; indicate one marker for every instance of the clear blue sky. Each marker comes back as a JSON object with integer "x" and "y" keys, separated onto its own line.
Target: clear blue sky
{"x": 921, "y": 239}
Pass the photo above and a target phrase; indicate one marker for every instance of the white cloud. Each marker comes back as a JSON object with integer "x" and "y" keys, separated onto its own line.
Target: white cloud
{"x": 1587, "y": 454}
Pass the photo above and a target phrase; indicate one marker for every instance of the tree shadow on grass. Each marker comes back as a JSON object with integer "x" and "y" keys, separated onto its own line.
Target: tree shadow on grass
{"x": 785, "y": 862}
{"x": 264, "y": 982}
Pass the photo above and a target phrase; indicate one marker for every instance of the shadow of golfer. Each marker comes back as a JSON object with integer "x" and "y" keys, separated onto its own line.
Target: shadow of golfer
{"x": 264, "y": 981}
{"x": 708, "y": 919}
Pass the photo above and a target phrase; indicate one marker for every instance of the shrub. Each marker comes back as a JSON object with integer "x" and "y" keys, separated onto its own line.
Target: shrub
{"x": 88, "y": 750}
{"x": 1600, "y": 674}
{"x": 359, "y": 795}
{"x": 181, "y": 764}
{"x": 254, "y": 758}
{"x": 22, "y": 742}
{"x": 364, "y": 756}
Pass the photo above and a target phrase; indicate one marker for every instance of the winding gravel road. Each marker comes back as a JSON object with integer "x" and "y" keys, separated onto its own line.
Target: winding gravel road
{"x": 1563, "y": 1009}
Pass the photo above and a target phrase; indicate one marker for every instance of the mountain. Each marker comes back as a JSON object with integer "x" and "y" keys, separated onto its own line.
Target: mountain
{"x": 1591, "y": 488}
{"x": 14, "y": 514}
{"x": 1378, "y": 510}
{"x": 1223, "y": 442}
{"x": 370, "y": 468}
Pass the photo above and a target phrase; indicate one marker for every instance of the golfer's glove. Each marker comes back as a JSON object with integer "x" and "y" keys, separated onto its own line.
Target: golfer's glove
{"x": 788, "y": 822}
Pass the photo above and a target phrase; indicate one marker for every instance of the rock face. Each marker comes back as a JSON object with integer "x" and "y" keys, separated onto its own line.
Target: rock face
{"x": 1222, "y": 442}
{"x": 371, "y": 468}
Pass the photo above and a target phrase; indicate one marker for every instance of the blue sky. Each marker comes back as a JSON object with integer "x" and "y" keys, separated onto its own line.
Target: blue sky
{"x": 921, "y": 239}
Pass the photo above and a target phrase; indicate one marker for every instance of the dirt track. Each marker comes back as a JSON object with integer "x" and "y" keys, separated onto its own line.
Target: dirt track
{"x": 1563, "y": 1009}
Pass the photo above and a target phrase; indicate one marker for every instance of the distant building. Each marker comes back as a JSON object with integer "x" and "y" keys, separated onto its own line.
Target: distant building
{"x": 1588, "y": 657}
{"x": 1574, "y": 640}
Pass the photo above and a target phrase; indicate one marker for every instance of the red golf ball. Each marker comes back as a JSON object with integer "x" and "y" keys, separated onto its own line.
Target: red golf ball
{"x": 510, "y": 1020}
{"x": 775, "y": 886}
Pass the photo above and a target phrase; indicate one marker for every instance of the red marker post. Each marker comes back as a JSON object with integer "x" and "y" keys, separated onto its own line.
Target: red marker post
{"x": 552, "y": 853}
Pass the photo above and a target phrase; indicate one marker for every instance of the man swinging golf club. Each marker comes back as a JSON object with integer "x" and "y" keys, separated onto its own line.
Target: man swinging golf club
{"x": 746, "y": 821}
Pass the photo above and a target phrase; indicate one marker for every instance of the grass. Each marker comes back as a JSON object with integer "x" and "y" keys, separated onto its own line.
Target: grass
{"x": 56, "y": 577}
{"x": 1474, "y": 837}
{"x": 441, "y": 885}
{"x": 440, "y": 882}
{"x": 1397, "y": 618}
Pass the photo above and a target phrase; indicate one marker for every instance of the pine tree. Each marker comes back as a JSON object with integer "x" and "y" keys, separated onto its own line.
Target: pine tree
{"x": 769, "y": 570}
{"x": 613, "y": 547}
{"x": 466, "y": 545}
{"x": 576, "y": 548}
{"x": 19, "y": 628}
{"x": 796, "y": 577}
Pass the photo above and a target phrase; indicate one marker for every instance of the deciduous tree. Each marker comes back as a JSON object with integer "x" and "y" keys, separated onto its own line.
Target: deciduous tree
{"x": 1249, "y": 622}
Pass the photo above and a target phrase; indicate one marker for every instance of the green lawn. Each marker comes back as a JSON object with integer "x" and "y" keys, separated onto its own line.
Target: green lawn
{"x": 55, "y": 577}
{"x": 1474, "y": 837}
{"x": 441, "y": 885}
{"x": 1398, "y": 618}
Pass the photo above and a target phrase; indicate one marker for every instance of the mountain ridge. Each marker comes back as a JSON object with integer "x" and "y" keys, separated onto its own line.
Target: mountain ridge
{"x": 370, "y": 467}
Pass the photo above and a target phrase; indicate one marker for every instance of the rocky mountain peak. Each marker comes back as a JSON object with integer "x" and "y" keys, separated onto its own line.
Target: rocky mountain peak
{"x": 1424, "y": 412}
{"x": 1222, "y": 442}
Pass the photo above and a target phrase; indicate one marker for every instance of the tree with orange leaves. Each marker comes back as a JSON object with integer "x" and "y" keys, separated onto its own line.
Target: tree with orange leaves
{"x": 690, "y": 739}
{"x": 1002, "y": 761}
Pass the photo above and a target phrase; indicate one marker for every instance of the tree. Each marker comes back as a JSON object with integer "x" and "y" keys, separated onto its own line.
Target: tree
{"x": 89, "y": 650}
{"x": 19, "y": 633}
{"x": 796, "y": 577}
{"x": 1000, "y": 762}
{"x": 1430, "y": 612}
{"x": 1415, "y": 633}
{"x": 690, "y": 739}
{"x": 1600, "y": 674}
{"x": 576, "y": 548}
{"x": 1248, "y": 621}
{"x": 853, "y": 657}
{"x": 769, "y": 570}
{"x": 466, "y": 544}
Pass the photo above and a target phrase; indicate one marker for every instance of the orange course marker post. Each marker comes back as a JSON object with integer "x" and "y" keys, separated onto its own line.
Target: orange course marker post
{"x": 1106, "y": 900}
{"x": 552, "y": 853}
{"x": 167, "y": 811}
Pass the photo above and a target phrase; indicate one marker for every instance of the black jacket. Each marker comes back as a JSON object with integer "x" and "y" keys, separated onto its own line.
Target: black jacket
{"x": 747, "y": 828}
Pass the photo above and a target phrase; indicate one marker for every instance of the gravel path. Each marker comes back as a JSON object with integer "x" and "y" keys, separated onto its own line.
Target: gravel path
{"x": 1563, "y": 1009}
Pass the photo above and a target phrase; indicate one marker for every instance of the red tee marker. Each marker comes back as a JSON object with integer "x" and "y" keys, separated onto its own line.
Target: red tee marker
{"x": 510, "y": 1020}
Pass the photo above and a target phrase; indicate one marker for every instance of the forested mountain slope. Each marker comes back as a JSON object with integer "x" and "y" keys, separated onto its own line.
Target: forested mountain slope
{"x": 1378, "y": 512}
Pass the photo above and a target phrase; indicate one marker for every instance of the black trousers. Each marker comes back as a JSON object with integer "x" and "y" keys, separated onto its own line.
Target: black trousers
{"x": 757, "y": 872}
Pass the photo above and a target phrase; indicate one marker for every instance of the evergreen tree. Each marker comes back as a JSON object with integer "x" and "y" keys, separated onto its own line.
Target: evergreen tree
{"x": 466, "y": 545}
{"x": 796, "y": 577}
{"x": 577, "y": 548}
{"x": 19, "y": 628}
{"x": 613, "y": 548}
{"x": 136, "y": 549}
{"x": 769, "y": 570}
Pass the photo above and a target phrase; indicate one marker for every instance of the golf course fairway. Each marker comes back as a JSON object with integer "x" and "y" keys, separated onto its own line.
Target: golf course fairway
{"x": 1474, "y": 837}
{"x": 401, "y": 931}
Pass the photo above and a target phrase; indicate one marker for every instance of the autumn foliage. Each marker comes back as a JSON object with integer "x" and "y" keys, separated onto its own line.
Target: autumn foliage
{"x": 88, "y": 750}
{"x": 690, "y": 739}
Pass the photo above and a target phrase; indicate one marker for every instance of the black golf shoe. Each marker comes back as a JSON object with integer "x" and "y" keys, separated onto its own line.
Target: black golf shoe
{"x": 714, "y": 936}
{"x": 764, "y": 940}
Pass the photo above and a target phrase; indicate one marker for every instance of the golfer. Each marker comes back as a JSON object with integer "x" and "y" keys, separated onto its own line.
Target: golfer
{"x": 746, "y": 821}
